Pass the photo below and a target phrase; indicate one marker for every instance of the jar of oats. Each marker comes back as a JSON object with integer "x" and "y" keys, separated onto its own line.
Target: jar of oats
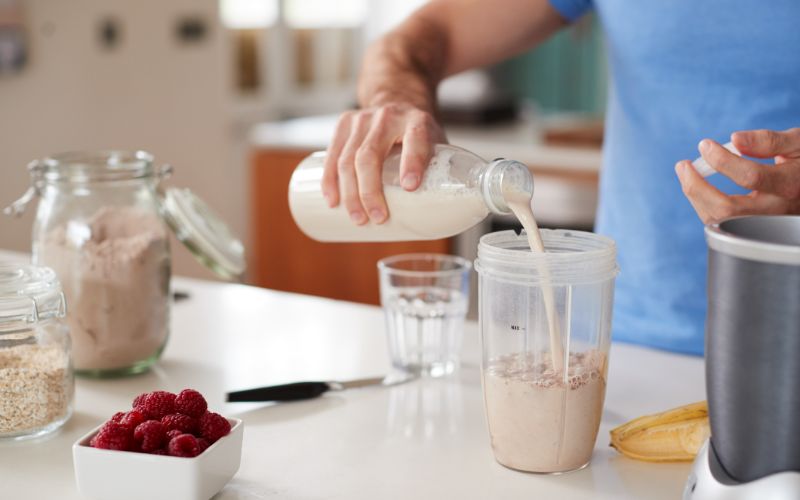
{"x": 103, "y": 225}
{"x": 36, "y": 382}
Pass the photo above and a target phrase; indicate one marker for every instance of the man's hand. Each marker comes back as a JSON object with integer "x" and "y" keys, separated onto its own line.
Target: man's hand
{"x": 775, "y": 188}
{"x": 362, "y": 141}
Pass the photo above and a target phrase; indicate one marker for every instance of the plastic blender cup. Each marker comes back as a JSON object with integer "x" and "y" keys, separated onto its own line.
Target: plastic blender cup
{"x": 544, "y": 413}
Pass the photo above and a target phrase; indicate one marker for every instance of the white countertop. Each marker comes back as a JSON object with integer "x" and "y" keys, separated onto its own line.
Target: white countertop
{"x": 425, "y": 439}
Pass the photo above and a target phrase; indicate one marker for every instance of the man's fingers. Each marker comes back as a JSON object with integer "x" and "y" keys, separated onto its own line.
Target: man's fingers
{"x": 353, "y": 171}
{"x": 775, "y": 188}
{"x": 783, "y": 179}
{"x": 710, "y": 203}
{"x": 346, "y": 170}
{"x": 330, "y": 179}
{"x": 764, "y": 204}
{"x": 418, "y": 143}
{"x": 385, "y": 131}
{"x": 742, "y": 171}
{"x": 768, "y": 143}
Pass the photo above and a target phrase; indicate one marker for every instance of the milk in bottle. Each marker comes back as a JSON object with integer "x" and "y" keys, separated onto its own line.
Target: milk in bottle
{"x": 458, "y": 190}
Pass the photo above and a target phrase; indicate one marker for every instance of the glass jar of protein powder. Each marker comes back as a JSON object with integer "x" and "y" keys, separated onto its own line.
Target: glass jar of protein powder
{"x": 101, "y": 225}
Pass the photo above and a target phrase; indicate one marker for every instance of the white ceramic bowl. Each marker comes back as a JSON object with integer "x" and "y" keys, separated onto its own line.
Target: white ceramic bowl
{"x": 125, "y": 475}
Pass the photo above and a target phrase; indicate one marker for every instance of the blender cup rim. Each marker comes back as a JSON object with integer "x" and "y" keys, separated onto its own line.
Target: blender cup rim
{"x": 492, "y": 244}
{"x": 583, "y": 258}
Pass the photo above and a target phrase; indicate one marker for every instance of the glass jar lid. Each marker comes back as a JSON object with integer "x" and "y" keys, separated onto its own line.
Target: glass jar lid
{"x": 28, "y": 294}
{"x": 204, "y": 233}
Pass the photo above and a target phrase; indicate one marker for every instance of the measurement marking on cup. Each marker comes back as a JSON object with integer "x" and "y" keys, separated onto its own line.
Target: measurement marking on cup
{"x": 517, "y": 328}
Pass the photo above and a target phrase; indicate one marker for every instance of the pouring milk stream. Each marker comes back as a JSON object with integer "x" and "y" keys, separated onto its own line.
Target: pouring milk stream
{"x": 520, "y": 203}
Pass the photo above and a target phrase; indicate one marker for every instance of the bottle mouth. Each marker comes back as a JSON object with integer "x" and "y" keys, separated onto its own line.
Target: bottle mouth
{"x": 571, "y": 258}
{"x": 94, "y": 166}
{"x": 503, "y": 177}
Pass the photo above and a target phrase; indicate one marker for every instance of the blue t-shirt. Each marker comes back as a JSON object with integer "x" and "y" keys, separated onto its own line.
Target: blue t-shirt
{"x": 681, "y": 70}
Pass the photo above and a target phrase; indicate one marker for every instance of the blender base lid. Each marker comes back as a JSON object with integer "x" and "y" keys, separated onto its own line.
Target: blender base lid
{"x": 702, "y": 485}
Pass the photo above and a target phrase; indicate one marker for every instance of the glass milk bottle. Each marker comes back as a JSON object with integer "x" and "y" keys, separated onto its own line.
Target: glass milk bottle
{"x": 458, "y": 190}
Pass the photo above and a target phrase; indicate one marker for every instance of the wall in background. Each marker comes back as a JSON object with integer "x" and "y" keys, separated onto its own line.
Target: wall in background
{"x": 105, "y": 74}
{"x": 142, "y": 86}
{"x": 566, "y": 73}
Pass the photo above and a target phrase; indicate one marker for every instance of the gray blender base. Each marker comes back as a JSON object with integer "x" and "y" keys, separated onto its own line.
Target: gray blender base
{"x": 702, "y": 485}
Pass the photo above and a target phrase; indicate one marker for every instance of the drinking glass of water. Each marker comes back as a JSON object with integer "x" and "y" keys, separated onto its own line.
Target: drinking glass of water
{"x": 425, "y": 298}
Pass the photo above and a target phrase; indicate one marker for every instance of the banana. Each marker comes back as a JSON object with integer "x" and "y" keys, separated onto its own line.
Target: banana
{"x": 672, "y": 436}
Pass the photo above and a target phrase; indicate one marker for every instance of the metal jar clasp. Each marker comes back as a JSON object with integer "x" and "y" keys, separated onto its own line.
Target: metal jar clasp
{"x": 17, "y": 208}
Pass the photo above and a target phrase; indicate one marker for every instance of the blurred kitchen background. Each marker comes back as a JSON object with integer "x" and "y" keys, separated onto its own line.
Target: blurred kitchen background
{"x": 233, "y": 93}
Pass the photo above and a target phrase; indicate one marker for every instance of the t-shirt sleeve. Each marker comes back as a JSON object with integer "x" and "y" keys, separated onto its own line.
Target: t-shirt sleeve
{"x": 571, "y": 9}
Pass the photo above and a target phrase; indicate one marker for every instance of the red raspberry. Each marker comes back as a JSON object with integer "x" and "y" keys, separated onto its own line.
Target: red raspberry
{"x": 132, "y": 419}
{"x": 114, "y": 436}
{"x": 174, "y": 432}
{"x": 203, "y": 444}
{"x": 139, "y": 400}
{"x": 157, "y": 404}
{"x": 183, "y": 423}
{"x": 184, "y": 445}
{"x": 109, "y": 422}
{"x": 161, "y": 451}
{"x": 117, "y": 417}
{"x": 190, "y": 402}
{"x": 214, "y": 426}
{"x": 150, "y": 436}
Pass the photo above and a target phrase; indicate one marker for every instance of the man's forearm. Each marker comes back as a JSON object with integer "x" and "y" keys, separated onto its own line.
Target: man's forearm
{"x": 406, "y": 65}
{"x": 445, "y": 37}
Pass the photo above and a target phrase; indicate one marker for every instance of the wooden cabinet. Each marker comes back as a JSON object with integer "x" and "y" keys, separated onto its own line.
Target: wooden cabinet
{"x": 283, "y": 258}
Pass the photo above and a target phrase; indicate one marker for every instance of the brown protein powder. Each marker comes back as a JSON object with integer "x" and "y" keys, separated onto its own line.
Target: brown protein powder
{"x": 115, "y": 272}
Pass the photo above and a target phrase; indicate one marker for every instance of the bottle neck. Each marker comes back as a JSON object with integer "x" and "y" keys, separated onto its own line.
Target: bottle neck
{"x": 502, "y": 177}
